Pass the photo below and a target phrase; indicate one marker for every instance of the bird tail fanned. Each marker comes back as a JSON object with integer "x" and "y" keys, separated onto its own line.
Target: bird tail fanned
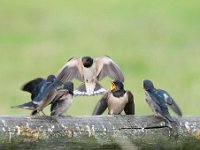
{"x": 89, "y": 89}
{"x": 99, "y": 89}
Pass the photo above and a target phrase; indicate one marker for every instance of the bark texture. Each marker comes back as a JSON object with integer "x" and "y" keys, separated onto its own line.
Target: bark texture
{"x": 98, "y": 132}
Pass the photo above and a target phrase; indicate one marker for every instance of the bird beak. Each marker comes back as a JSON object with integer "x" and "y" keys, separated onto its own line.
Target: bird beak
{"x": 112, "y": 86}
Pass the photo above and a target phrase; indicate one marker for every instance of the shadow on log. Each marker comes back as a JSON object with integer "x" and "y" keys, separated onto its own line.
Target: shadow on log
{"x": 97, "y": 132}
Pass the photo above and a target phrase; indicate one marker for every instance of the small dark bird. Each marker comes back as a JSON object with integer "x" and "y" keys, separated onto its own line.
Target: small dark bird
{"x": 39, "y": 96}
{"x": 63, "y": 100}
{"x": 89, "y": 71}
{"x": 117, "y": 100}
{"x": 158, "y": 100}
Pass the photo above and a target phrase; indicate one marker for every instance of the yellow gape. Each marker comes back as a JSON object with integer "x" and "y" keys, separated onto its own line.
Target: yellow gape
{"x": 112, "y": 86}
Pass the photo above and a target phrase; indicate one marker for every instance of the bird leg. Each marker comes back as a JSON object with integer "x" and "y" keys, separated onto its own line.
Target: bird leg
{"x": 43, "y": 112}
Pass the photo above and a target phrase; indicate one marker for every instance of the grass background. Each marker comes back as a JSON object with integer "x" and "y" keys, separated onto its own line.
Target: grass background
{"x": 157, "y": 40}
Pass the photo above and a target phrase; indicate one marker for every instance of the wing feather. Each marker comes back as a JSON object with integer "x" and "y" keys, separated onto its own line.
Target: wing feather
{"x": 107, "y": 67}
{"x": 60, "y": 95}
{"x": 101, "y": 105}
{"x": 171, "y": 103}
{"x": 71, "y": 70}
{"x": 155, "y": 104}
{"x": 32, "y": 85}
{"x": 129, "y": 108}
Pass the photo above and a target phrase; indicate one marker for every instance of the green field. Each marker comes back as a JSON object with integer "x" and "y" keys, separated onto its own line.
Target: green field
{"x": 157, "y": 40}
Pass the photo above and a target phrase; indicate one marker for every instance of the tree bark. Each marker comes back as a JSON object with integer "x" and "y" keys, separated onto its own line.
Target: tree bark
{"x": 98, "y": 132}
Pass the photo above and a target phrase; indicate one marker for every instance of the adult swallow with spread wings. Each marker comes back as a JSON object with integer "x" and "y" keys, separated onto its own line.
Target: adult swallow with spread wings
{"x": 39, "y": 97}
{"x": 89, "y": 71}
{"x": 63, "y": 100}
{"x": 159, "y": 100}
{"x": 116, "y": 100}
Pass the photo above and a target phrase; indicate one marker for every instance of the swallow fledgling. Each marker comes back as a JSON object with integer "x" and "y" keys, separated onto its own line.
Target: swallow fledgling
{"x": 63, "y": 100}
{"x": 116, "y": 100}
{"x": 39, "y": 95}
{"x": 159, "y": 100}
{"x": 89, "y": 71}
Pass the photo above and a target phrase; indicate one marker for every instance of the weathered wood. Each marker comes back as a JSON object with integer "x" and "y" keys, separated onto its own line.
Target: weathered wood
{"x": 95, "y": 132}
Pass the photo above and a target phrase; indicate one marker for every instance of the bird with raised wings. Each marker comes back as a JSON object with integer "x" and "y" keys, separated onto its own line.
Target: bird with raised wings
{"x": 40, "y": 98}
{"x": 159, "y": 100}
{"x": 116, "y": 100}
{"x": 90, "y": 71}
{"x": 63, "y": 99}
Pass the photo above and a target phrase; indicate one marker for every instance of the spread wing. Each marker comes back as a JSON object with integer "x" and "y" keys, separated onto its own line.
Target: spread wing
{"x": 31, "y": 85}
{"x": 71, "y": 70}
{"x": 171, "y": 103}
{"x": 129, "y": 108}
{"x": 44, "y": 89}
{"x": 101, "y": 105}
{"x": 107, "y": 67}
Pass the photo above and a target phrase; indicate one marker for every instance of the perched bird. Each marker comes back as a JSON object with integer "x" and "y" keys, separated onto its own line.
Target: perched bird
{"x": 117, "y": 100}
{"x": 159, "y": 100}
{"x": 63, "y": 100}
{"x": 39, "y": 96}
{"x": 89, "y": 71}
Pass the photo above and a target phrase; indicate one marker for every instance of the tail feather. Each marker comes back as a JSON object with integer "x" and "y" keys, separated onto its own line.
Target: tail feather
{"x": 90, "y": 90}
{"x": 28, "y": 105}
{"x": 176, "y": 109}
{"x": 99, "y": 89}
{"x": 82, "y": 88}
{"x": 171, "y": 120}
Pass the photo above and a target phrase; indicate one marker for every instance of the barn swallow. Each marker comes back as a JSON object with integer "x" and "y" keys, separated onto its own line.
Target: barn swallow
{"x": 39, "y": 95}
{"x": 159, "y": 100}
{"x": 89, "y": 71}
{"x": 117, "y": 100}
{"x": 63, "y": 100}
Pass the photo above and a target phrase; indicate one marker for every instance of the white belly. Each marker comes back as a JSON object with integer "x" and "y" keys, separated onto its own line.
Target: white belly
{"x": 90, "y": 73}
{"x": 90, "y": 78}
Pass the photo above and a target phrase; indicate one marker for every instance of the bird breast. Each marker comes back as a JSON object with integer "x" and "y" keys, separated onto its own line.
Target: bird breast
{"x": 116, "y": 104}
{"x": 90, "y": 74}
{"x": 67, "y": 102}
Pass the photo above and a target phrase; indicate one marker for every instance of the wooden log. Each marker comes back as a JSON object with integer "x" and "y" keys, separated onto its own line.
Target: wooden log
{"x": 95, "y": 132}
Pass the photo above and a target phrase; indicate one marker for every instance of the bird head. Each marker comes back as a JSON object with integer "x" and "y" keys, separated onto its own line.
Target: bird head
{"x": 117, "y": 85}
{"x": 69, "y": 86}
{"x": 87, "y": 61}
{"x": 148, "y": 85}
{"x": 51, "y": 78}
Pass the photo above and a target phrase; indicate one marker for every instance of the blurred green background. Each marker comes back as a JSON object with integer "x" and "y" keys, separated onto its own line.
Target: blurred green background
{"x": 157, "y": 40}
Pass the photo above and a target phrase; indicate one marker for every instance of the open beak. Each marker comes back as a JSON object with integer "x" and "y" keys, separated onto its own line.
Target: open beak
{"x": 112, "y": 86}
